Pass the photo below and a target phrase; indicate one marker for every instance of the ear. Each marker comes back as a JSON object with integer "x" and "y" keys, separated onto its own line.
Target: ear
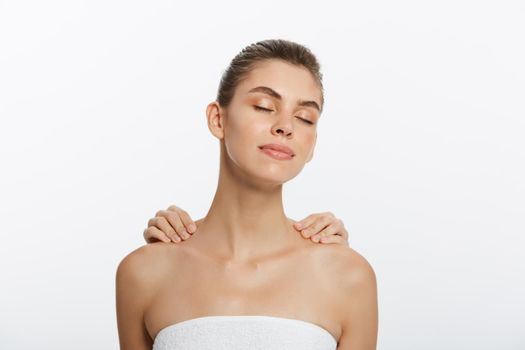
{"x": 215, "y": 117}
{"x": 311, "y": 155}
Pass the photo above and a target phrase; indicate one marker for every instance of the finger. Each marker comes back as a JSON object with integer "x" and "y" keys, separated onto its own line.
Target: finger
{"x": 333, "y": 228}
{"x": 334, "y": 239}
{"x": 189, "y": 225}
{"x": 161, "y": 222}
{"x": 173, "y": 207}
{"x": 316, "y": 238}
{"x": 153, "y": 234}
{"x": 338, "y": 239}
{"x": 304, "y": 223}
{"x": 173, "y": 218}
{"x": 187, "y": 221}
{"x": 321, "y": 222}
{"x": 344, "y": 232}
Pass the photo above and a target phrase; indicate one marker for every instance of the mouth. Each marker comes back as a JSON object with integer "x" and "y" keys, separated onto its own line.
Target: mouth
{"x": 276, "y": 151}
{"x": 279, "y": 147}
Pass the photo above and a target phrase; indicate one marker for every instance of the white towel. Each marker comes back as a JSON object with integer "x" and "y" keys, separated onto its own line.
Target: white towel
{"x": 244, "y": 332}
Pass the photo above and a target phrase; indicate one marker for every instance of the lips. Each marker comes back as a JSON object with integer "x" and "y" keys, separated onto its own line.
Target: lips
{"x": 278, "y": 148}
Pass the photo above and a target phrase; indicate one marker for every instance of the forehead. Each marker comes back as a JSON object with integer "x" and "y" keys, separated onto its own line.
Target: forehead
{"x": 290, "y": 81}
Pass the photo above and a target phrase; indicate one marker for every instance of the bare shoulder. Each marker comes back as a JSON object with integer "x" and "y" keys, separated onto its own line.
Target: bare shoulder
{"x": 355, "y": 269}
{"x": 138, "y": 277}
{"x": 355, "y": 281}
{"x": 346, "y": 264}
{"x": 146, "y": 254}
{"x": 145, "y": 264}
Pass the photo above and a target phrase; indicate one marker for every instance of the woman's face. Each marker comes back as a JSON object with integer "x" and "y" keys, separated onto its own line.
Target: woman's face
{"x": 277, "y": 103}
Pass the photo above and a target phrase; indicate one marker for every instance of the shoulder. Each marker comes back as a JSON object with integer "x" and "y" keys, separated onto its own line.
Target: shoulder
{"x": 138, "y": 278}
{"x": 340, "y": 270}
{"x": 355, "y": 269}
{"x": 143, "y": 268}
{"x": 355, "y": 280}
{"x": 346, "y": 264}
{"x": 348, "y": 275}
{"x": 139, "y": 260}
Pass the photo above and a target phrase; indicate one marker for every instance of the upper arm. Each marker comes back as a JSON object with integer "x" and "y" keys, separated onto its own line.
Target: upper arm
{"x": 359, "y": 304}
{"x": 131, "y": 300}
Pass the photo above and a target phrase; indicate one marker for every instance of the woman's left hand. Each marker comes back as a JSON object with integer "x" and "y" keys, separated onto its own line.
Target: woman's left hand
{"x": 323, "y": 228}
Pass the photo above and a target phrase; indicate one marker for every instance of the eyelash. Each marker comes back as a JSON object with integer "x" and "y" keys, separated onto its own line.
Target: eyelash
{"x": 269, "y": 110}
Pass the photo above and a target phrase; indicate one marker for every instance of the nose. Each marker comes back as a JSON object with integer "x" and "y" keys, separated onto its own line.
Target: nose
{"x": 283, "y": 126}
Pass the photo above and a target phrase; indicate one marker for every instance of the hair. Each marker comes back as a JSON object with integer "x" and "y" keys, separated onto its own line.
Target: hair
{"x": 245, "y": 61}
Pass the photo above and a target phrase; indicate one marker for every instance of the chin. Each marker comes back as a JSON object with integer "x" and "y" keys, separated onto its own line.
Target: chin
{"x": 275, "y": 176}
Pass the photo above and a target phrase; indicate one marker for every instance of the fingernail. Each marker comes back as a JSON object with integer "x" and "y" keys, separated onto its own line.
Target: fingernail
{"x": 298, "y": 225}
{"x": 177, "y": 239}
{"x": 192, "y": 228}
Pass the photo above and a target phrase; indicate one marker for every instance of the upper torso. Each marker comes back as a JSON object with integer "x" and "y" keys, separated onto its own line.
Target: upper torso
{"x": 297, "y": 284}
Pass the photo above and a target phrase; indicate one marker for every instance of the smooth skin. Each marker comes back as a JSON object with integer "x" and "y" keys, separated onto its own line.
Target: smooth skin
{"x": 246, "y": 258}
{"x": 175, "y": 225}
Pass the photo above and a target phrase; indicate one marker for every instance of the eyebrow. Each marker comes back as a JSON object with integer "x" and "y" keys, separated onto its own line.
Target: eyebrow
{"x": 273, "y": 93}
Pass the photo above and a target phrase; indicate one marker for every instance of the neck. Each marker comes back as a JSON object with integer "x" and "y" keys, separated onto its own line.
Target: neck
{"x": 245, "y": 219}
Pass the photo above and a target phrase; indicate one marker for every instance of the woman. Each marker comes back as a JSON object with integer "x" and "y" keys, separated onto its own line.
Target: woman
{"x": 246, "y": 280}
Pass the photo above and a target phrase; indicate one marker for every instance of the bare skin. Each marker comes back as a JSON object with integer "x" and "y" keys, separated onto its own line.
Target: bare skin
{"x": 246, "y": 257}
{"x": 281, "y": 284}
{"x": 175, "y": 225}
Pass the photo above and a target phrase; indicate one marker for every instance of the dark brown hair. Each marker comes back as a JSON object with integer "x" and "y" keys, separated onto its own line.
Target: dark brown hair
{"x": 245, "y": 60}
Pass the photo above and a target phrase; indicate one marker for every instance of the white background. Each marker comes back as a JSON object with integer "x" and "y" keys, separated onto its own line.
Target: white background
{"x": 421, "y": 152}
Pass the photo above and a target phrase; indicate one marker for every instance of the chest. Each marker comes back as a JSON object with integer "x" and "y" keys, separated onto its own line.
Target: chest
{"x": 288, "y": 289}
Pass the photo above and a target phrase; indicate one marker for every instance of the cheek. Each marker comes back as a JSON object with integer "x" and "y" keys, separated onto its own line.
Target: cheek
{"x": 310, "y": 138}
{"x": 308, "y": 142}
{"x": 242, "y": 136}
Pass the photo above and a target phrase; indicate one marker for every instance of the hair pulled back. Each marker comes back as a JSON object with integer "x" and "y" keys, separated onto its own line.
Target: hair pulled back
{"x": 245, "y": 61}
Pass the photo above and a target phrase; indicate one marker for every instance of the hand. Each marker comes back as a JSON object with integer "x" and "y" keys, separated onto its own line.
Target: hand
{"x": 323, "y": 228}
{"x": 171, "y": 225}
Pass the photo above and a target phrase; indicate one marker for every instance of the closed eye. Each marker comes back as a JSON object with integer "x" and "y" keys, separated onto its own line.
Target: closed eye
{"x": 306, "y": 121}
{"x": 262, "y": 109}
{"x": 271, "y": 110}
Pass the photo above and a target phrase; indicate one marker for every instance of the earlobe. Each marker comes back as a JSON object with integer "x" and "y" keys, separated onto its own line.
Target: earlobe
{"x": 214, "y": 115}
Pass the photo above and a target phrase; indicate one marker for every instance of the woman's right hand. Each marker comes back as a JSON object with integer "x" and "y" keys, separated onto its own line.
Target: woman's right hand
{"x": 171, "y": 225}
